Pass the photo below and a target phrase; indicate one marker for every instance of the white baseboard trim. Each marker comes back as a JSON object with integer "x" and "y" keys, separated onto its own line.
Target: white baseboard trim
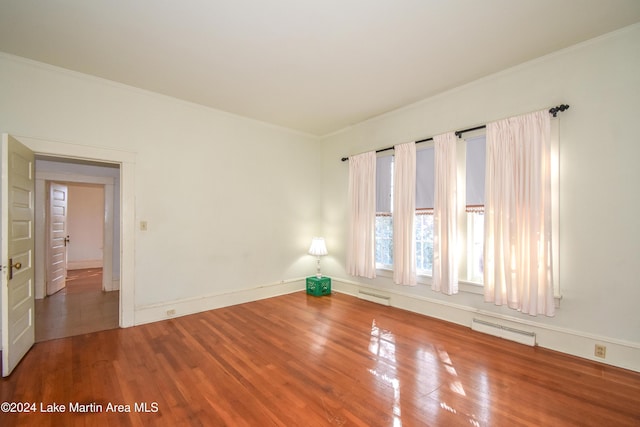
{"x": 620, "y": 353}
{"x": 162, "y": 311}
{"x": 115, "y": 285}
{"x": 86, "y": 263}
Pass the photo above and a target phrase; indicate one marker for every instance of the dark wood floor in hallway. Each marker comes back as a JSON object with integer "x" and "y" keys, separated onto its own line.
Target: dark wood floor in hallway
{"x": 79, "y": 308}
{"x": 298, "y": 360}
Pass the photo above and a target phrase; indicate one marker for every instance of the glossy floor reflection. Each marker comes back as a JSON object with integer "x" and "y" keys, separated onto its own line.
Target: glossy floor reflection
{"x": 435, "y": 373}
{"x": 382, "y": 345}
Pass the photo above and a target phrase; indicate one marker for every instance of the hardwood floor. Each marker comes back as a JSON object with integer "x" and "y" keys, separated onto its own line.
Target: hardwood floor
{"x": 298, "y": 360}
{"x": 79, "y": 308}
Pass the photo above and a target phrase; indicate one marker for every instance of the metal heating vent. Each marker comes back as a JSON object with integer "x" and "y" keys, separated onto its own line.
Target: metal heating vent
{"x": 522, "y": 337}
{"x": 373, "y": 297}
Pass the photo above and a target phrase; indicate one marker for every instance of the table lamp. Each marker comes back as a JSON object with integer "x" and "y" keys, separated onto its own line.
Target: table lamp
{"x": 318, "y": 248}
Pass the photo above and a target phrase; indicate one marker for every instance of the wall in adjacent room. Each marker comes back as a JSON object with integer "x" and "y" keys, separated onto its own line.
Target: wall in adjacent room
{"x": 85, "y": 225}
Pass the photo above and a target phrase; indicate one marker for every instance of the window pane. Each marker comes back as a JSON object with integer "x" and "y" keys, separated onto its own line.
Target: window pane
{"x": 384, "y": 183}
{"x": 384, "y": 241}
{"x": 425, "y": 179}
{"x": 424, "y": 243}
{"x": 476, "y": 159}
{"x": 475, "y": 238}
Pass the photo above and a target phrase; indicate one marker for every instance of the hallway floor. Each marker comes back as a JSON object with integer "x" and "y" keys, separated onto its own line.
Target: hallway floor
{"x": 81, "y": 307}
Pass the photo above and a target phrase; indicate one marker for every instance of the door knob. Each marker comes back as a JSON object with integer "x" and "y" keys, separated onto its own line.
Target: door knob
{"x": 67, "y": 240}
{"x": 17, "y": 266}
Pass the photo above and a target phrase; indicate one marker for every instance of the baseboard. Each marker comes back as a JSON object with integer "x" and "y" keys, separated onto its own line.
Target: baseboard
{"x": 82, "y": 264}
{"x": 156, "y": 312}
{"x": 620, "y": 353}
{"x": 115, "y": 285}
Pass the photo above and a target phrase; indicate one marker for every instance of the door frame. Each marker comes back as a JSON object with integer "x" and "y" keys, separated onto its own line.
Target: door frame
{"x": 126, "y": 160}
{"x": 42, "y": 220}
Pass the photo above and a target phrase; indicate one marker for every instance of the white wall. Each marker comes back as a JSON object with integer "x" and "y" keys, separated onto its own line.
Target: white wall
{"x": 600, "y": 201}
{"x": 231, "y": 203}
{"x": 85, "y": 225}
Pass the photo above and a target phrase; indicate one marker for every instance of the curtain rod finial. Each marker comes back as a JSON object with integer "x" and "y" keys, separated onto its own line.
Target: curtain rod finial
{"x": 560, "y": 108}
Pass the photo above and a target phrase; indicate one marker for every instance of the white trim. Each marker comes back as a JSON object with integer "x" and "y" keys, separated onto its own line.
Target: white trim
{"x": 463, "y": 285}
{"x": 87, "y": 263}
{"x": 126, "y": 160}
{"x": 40, "y": 231}
{"x": 77, "y": 151}
{"x": 621, "y": 353}
{"x": 166, "y": 310}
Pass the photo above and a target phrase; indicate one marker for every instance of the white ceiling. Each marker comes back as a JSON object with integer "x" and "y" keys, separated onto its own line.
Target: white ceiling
{"x": 313, "y": 66}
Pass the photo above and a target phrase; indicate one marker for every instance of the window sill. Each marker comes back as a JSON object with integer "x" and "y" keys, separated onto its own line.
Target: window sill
{"x": 384, "y": 272}
{"x": 463, "y": 285}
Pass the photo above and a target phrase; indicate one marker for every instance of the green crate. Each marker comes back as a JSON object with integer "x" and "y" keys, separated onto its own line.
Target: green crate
{"x": 319, "y": 286}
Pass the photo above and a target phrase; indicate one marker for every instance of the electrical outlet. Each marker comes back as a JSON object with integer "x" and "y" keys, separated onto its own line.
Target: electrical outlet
{"x": 171, "y": 312}
{"x": 600, "y": 351}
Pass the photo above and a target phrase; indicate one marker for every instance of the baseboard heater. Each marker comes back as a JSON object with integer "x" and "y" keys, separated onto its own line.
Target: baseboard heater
{"x": 373, "y": 297}
{"x": 522, "y": 337}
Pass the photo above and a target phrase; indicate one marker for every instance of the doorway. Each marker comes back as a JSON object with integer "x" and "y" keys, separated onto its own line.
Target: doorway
{"x": 88, "y": 298}
{"x": 20, "y": 243}
{"x": 126, "y": 161}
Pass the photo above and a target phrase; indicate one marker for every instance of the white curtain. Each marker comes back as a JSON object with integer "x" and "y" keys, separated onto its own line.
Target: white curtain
{"x": 361, "y": 260}
{"x": 445, "y": 211}
{"x": 517, "y": 252}
{"x": 404, "y": 208}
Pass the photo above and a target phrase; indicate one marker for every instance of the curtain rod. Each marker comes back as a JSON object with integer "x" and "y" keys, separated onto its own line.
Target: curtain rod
{"x": 553, "y": 111}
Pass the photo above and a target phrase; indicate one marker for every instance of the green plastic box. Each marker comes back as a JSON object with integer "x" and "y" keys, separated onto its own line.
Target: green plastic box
{"x": 318, "y": 286}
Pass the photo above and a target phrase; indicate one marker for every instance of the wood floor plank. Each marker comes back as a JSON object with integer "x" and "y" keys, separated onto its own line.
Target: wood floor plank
{"x": 79, "y": 308}
{"x": 298, "y": 360}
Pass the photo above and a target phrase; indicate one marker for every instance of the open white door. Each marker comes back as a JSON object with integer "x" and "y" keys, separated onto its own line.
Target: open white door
{"x": 17, "y": 247}
{"x": 57, "y": 238}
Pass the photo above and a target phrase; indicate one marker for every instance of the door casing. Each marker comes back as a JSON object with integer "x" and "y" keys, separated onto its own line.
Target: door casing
{"x": 126, "y": 161}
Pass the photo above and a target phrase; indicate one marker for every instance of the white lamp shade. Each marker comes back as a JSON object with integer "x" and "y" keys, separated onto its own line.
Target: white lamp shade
{"x": 318, "y": 247}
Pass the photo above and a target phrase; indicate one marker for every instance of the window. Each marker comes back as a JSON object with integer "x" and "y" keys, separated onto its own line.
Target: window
{"x": 423, "y": 217}
{"x": 425, "y": 189}
{"x": 474, "y": 149}
{"x": 384, "y": 218}
{"x": 384, "y": 241}
{"x": 424, "y": 243}
{"x": 471, "y": 152}
{"x": 471, "y": 164}
{"x": 475, "y": 247}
